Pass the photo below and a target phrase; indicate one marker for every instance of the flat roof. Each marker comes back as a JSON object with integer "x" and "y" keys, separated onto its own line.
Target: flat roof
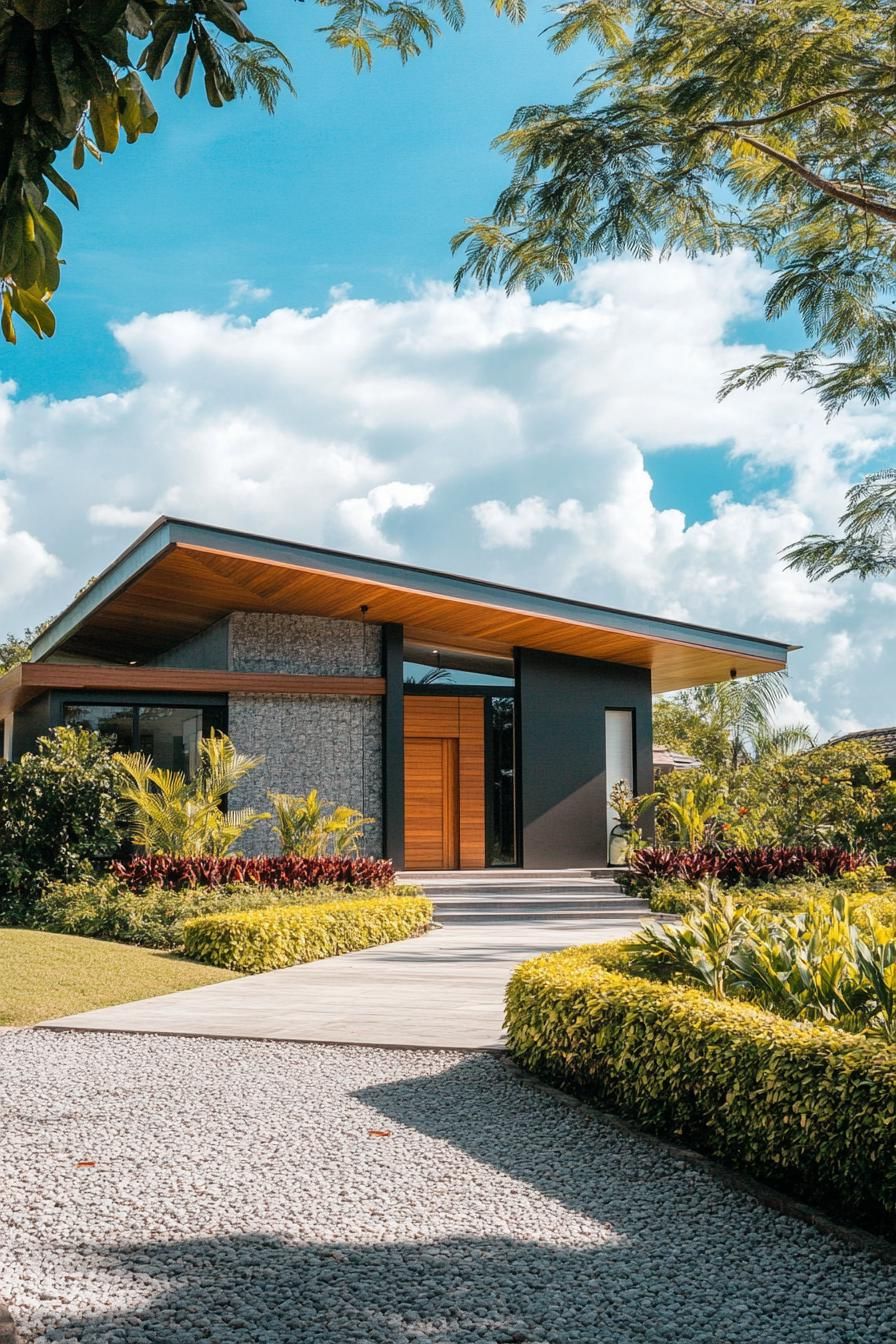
{"x": 179, "y": 577}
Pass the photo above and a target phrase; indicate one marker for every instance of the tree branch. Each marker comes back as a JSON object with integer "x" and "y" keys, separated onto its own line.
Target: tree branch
{"x": 833, "y": 96}
{"x": 860, "y": 200}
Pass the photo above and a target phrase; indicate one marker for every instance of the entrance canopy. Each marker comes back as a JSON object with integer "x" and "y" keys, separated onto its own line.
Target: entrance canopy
{"x": 180, "y": 577}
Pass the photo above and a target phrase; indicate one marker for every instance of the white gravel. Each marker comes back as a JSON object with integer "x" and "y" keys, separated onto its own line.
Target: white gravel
{"x": 239, "y": 1197}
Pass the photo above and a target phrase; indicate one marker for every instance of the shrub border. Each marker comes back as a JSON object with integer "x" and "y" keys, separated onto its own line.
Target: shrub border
{"x": 549, "y": 1027}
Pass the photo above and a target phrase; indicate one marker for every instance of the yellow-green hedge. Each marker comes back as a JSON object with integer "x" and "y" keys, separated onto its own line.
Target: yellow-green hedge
{"x": 801, "y": 1104}
{"x": 282, "y": 935}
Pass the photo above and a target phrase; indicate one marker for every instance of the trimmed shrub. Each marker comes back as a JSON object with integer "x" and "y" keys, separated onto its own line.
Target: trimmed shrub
{"x": 767, "y": 863}
{"x": 784, "y": 898}
{"x": 277, "y": 870}
{"x": 105, "y": 908}
{"x": 279, "y": 936}
{"x": 800, "y": 1104}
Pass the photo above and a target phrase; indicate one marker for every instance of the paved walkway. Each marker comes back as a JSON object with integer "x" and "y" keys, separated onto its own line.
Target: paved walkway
{"x": 444, "y": 990}
{"x": 168, "y": 1190}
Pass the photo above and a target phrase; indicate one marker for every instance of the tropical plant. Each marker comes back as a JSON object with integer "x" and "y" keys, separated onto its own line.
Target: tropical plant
{"x": 170, "y": 814}
{"x": 701, "y": 947}
{"x": 693, "y": 807}
{"x": 58, "y": 813}
{"x": 762, "y": 124}
{"x": 307, "y": 826}
{"x": 817, "y": 966}
{"x": 629, "y": 807}
{"x": 868, "y": 544}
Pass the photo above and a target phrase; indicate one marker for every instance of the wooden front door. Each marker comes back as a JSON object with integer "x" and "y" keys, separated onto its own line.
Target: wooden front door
{"x": 432, "y": 837}
{"x": 444, "y": 782}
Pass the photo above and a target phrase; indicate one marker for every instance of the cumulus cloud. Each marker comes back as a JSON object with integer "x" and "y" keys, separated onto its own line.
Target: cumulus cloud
{"x": 480, "y": 433}
{"x": 363, "y": 515}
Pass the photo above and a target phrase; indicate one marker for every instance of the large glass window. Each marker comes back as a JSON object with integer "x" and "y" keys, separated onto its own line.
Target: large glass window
{"x": 500, "y": 757}
{"x": 113, "y": 723}
{"x": 168, "y": 734}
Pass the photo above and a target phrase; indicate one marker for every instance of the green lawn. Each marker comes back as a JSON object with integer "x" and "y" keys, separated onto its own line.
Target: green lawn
{"x": 45, "y": 975}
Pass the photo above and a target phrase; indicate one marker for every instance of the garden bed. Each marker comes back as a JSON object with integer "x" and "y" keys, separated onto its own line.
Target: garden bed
{"x": 803, "y": 1105}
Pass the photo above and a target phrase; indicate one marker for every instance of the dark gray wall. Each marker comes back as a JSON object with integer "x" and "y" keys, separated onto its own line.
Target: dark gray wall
{"x": 28, "y": 724}
{"x": 209, "y": 649}
{"x": 561, "y": 746}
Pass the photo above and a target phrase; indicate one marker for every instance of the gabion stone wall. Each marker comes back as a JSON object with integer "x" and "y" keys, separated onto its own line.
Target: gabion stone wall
{"x": 331, "y": 743}
{"x": 304, "y": 645}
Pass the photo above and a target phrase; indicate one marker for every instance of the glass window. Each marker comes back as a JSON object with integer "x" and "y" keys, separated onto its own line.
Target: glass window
{"x": 428, "y": 666}
{"x": 501, "y": 756}
{"x": 113, "y": 723}
{"x": 170, "y": 736}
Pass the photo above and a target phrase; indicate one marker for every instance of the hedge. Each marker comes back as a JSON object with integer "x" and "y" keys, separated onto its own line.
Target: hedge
{"x": 274, "y": 870}
{"x": 155, "y": 917}
{"x": 803, "y": 1105}
{"x": 282, "y": 935}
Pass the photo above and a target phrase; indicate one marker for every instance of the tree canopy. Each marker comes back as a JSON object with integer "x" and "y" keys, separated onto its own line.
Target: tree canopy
{"x": 72, "y": 77}
{"x": 727, "y": 724}
{"x": 867, "y": 546}
{"x": 705, "y": 125}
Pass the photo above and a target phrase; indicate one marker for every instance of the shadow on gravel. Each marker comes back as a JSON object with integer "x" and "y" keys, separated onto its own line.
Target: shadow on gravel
{"x": 259, "y": 1290}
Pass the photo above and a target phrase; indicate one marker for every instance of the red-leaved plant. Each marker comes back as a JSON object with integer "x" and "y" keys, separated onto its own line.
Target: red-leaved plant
{"x": 280, "y": 870}
{"x": 767, "y": 863}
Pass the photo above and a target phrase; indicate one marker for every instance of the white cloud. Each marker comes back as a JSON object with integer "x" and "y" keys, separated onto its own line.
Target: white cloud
{"x": 363, "y": 515}
{"x": 119, "y": 515}
{"x": 243, "y": 291}
{"x": 483, "y": 434}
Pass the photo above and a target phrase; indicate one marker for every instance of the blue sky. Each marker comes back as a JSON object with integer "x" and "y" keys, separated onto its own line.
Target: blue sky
{"x": 339, "y": 395}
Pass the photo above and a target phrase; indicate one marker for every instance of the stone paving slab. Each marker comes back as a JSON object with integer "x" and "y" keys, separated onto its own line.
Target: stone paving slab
{"x": 442, "y": 991}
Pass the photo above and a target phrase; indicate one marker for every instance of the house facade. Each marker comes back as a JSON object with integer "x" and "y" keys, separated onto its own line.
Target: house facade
{"x": 478, "y": 725}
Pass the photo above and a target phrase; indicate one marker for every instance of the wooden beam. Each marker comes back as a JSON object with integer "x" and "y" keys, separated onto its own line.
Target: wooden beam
{"x": 28, "y": 680}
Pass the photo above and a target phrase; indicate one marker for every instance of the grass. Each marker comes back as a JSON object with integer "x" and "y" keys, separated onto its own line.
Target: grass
{"x": 46, "y": 975}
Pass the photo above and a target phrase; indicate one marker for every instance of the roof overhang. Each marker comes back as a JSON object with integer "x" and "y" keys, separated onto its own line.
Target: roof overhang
{"x": 180, "y": 577}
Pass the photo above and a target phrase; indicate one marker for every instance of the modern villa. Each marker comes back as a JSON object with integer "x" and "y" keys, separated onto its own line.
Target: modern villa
{"x": 477, "y": 724}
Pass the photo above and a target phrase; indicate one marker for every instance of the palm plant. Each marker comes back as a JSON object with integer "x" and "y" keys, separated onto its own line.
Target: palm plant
{"x": 744, "y": 711}
{"x": 170, "y": 814}
{"x": 307, "y": 826}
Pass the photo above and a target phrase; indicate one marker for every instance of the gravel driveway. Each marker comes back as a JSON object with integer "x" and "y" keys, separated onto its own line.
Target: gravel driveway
{"x": 237, "y": 1193}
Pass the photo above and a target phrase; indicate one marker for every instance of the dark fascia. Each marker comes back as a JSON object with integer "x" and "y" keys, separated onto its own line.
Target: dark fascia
{"x": 168, "y": 532}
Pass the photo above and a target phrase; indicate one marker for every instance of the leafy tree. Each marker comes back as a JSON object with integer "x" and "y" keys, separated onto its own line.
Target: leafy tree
{"x": 15, "y": 649}
{"x": 71, "y": 77}
{"x": 705, "y": 125}
{"x": 729, "y": 723}
{"x": 868, "y": 544}
{"x": 838, "y": 794}
{"x": 58, "y": 812}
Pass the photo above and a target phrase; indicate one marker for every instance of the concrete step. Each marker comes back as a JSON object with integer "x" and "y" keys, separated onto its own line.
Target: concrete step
{"x": 509, "y": 874}
{"x": 438, "y": 890}
{"x": 494, "y": 914}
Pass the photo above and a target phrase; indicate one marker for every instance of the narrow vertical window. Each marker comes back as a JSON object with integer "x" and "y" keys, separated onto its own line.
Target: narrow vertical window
{"x": 620, "y": 735}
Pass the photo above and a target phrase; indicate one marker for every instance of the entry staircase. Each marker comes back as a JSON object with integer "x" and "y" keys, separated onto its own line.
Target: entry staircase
{"x": 488, "y": 895}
